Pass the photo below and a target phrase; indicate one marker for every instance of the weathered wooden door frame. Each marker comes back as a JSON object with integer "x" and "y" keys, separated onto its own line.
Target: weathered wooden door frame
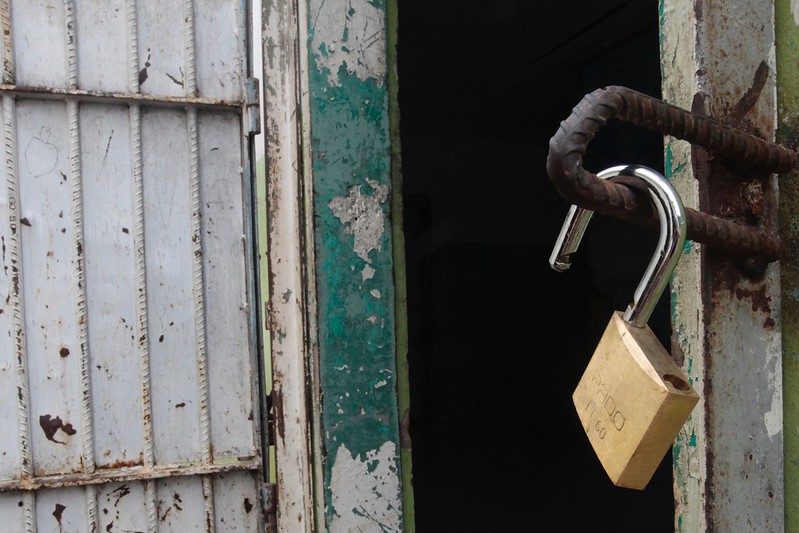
{"x": 332, "y": 293}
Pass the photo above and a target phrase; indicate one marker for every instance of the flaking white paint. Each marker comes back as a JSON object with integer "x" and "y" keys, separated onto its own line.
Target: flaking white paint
{"x": 366, "y": 491}
{"x": 349, "y": 34}
{"x": 367, "y": 273}
{"x": 773, "y": 418}
{"x": 364, "y": 216}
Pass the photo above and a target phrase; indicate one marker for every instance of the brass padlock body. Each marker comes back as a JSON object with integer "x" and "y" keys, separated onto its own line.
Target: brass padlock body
{"x": 632, "y": 401}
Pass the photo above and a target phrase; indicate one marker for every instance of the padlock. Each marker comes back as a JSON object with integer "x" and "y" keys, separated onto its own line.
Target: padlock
{"x": 633, "y": 399}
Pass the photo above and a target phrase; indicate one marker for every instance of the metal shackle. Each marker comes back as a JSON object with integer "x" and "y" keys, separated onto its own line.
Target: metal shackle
{"x": 673, "y": 228}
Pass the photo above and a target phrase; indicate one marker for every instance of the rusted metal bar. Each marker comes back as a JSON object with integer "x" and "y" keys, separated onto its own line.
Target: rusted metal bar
{"x": 55, "y": 93}
{"x": 133, "y": 473}
{"x": 581, "y": 187}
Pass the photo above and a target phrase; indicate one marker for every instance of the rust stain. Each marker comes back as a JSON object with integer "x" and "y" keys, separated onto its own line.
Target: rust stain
{"x": 58, "y": 514}
{"x": 119, "y": 493}
{"x": 759, "y": 298}
{"x": 25, "y": 222}
{"x": 64, "y": 352}
{"x": 277, "y": 405}
{"x": 751, "y": 96}
{"x": 51, "y": 425}
{"x": 121, "y": 464}
{"x": 247, "y": 505}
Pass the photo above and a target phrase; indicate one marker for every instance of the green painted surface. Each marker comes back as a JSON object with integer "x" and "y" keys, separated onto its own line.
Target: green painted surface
{"x": 787, "y": 37}
{"x": 351, "y": 164}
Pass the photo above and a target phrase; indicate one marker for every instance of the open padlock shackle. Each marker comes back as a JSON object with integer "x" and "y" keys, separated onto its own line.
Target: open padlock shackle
{"x": 673, "y": 229}
{"x": 580, "y": 187}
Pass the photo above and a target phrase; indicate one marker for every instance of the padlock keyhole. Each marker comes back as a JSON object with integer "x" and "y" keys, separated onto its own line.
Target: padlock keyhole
{"x": 677, "y": 382}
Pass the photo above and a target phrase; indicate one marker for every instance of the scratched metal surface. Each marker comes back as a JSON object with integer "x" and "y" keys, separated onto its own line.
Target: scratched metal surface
{"x": 128, "y": 393}
{"x": 728, "y": 459}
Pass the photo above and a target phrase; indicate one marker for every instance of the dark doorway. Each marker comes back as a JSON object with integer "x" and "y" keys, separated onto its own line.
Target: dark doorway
{"x": 498, "y": 341}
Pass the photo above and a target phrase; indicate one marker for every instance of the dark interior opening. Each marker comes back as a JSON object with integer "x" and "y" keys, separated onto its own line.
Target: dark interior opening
{"x": 498, "y": 341}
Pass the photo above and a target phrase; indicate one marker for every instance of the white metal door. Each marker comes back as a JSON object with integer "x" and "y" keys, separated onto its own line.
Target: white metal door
{"x": 128, "y": 353}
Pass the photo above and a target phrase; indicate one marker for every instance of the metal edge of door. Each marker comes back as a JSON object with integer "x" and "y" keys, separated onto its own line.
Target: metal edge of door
{"x": 287, "y": 307}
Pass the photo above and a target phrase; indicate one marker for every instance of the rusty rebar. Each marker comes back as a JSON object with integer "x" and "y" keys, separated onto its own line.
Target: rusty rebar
{"x": 581, "y": 187}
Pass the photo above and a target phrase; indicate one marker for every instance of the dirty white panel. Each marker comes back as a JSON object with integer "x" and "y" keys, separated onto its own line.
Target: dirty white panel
{"x": 62, "y": 510}
{"x": 10, "y": 456}
{"x": 12, "y": 511}
{"x": 236, "y": 506}
{"x": 109, "y": 229}
{"x": 102, "y": 45}
{"x": 227, "y": 337}
{"x": 221, "y": 52}
{"x": 6, "y": 53}
{"x": 39, "y": 31}
{"x": 49, "y": 286}
{"x": 181, "y": 506}
{"x": 121, "y": 507}
{"x": 169, "y": 256}
{"x": 142, "y": 212}
{"x": 162, "y": 57}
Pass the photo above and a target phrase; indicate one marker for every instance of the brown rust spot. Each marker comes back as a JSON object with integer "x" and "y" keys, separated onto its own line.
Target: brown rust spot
{"x": 277, "y": 406}
{"x": 64, "y": 351}
{"x": 121, "y": 464}
{"x": 25, "y": 222}
{"x": 247, "y": 505}
{"x": 59, "y": 512}
{"x": 760, "y": 299}
{"x": 179, "y": 405}
{"x": 119, "y": 493}
{"x": 51, "y": 425}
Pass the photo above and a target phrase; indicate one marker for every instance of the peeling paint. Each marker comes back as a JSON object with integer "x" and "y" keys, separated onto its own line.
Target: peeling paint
{"x": 364, "y": 216}
{"x": 351, "y": 35}
{"x": 367, "y": 273}
{"x": 366, "y": 491}
{"x": 350, "y": 154}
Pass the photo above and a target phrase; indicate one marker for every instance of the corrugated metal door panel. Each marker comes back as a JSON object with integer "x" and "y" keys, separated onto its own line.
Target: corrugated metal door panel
{"x": 122, "y": 507}
{"x": 12, "y": 511}
{"x": 221, "y": 51}
{"x": 223, "y": 236}
{"x": 128, "y": 367}
{"x": 50, "y": 287}
{"x": 40, "y": 43}
{"x": 162, "y": 48}
{"x": 109, "y": 221}
{"x": 102, "y": 45}
{"x": 168, "y": 251}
